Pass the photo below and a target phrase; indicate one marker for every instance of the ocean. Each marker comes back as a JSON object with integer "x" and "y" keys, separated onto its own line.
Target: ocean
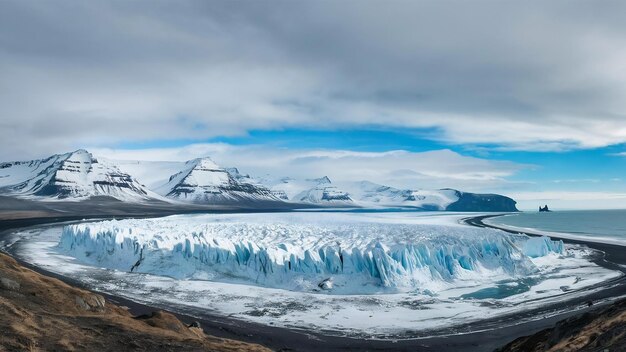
{"x": 595, "y": 225}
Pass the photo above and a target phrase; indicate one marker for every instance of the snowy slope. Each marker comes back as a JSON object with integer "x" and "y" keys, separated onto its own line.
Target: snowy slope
{"x": 203, "y": 181}
{"x": 323, "y": 192}
{"x": 79, "y": 175}
{"x": 75, "y": 175}
{"x": 371, "y": 194}
{"x": 153, "y": 174}
{"x": 368, "y": 194}
{"x": 319, "y": 191}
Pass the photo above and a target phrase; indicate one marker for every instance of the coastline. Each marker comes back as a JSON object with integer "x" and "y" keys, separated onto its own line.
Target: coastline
{"x": 613, "y": 258}
{"x": 490, "y": 334}
{"x": 600, "y": 328}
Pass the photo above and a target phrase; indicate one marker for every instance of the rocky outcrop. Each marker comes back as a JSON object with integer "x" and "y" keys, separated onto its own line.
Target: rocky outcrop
{"x": 8, "y": 284}
{"x": 475, "y": 202}
{"x": 600, "y": 330}
{"x": 91, "y": 302}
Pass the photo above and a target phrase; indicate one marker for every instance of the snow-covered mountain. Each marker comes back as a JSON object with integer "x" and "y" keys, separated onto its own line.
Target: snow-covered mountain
{"x": 323, "y": 192}
{"x": 75, "y": 175}
{"x": 369, "y": 194}
{"x": 319, "y": 191}
{"x": 79, "y": 175}
{"x": 203, "y": 181}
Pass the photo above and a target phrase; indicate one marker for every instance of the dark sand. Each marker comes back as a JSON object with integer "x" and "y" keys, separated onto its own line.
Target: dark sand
{"x": 491, "y": 335}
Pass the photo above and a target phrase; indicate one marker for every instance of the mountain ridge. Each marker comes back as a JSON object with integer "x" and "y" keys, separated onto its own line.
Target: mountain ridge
{"x": 79, "y": 175}
{"x": 74, "y": 175}
{"x": 203, "y": 181}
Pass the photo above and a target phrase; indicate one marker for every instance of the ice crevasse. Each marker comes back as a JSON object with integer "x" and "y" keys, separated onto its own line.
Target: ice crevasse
{"x": 357, "y": 256}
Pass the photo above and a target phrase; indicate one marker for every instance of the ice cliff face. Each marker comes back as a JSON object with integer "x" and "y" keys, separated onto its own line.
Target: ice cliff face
{"x": 72, "y": 175}
{"x": 299, "y": 252}
{"x": 541, "y": 246}
{"x": 203, "y": 181}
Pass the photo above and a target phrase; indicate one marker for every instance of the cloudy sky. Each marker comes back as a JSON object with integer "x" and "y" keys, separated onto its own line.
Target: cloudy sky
{"x": 522, "y": 98}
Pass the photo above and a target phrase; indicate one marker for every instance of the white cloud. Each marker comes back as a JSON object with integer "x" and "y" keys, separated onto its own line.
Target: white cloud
{"x": 433, "y": 169}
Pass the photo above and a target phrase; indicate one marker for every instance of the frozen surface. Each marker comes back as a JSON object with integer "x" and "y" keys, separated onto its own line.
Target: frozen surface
{"x": 498, "y": 275}
{"x": 358, "y": 253}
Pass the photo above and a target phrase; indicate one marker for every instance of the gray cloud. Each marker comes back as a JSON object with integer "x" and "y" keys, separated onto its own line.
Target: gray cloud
{"x": 534, "y": 76}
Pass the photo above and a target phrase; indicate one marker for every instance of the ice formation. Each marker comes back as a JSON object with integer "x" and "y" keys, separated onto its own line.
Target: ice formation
{"x": 541, "y": 246}
{"x": 298, "y": 252}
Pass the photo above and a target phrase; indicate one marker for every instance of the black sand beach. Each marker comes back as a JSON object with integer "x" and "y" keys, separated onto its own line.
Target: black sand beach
{"x": 482, "y": 336}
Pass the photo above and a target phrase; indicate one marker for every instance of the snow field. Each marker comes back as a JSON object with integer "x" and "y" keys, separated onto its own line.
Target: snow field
{"x": 355, "y": 253}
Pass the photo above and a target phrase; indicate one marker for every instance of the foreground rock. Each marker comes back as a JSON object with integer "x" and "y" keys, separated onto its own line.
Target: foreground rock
{"x": 38, "y": 313}
{"x": 600, "y": 330}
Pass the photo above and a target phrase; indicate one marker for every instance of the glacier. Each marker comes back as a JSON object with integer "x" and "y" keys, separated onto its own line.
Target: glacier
{"x": 159, "y": 262}
{"x": 339, "y": 253}
{"x": 540, "y": 246}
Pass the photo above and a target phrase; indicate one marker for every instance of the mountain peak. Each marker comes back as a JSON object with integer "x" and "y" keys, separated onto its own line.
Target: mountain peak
{"x": 80, "y": 151}
{"x": 321, "y": 180}
{"x": 365, "y": 183}
{"x": 81, "y": 156}
{"x": 205, "y": 182}
{"x": 76, "y": 175}
{"x": 205, "y": 163}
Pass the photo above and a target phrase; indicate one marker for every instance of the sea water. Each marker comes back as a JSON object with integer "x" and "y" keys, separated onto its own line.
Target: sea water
{"x": 595, "y": 225}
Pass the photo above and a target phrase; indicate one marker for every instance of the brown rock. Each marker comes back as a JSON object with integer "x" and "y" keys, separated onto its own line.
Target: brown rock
{"x": 8, "y": 284}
